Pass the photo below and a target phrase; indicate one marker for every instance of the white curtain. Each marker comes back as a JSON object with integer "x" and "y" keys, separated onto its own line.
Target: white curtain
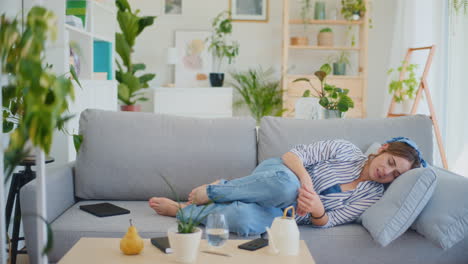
{"x": 456, "y": 126}
{"x": 420, "y": 23}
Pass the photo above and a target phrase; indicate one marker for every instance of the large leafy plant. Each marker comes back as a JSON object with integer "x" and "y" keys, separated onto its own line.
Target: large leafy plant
{"x": 330, "y": 96}
{"x": 220, "y": 46}
{"x": 131, "y": 25}
{"x": 35, "y": 100}
{"x": 259, "y": 91}
{"x": 405, "y": 88}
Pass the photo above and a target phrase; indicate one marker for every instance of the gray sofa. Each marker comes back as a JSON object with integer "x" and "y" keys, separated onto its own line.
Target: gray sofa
{"x": 124, "y": 155}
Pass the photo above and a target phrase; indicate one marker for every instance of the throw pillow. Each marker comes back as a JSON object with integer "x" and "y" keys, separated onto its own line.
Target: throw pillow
{"x": 404, "y": 199}
{"x": 444, "y": 220}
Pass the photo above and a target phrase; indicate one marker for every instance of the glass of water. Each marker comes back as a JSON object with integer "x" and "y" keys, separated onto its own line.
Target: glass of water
{"x": 217, "y": 230}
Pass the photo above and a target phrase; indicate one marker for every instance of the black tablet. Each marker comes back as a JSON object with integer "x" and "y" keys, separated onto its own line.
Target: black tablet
{"x": 104, "y": 209}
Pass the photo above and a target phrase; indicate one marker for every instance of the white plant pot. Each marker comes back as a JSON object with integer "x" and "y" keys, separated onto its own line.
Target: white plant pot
{"x": 403, "y": 107}
{"x": 184, "y": 246}
{"x": 308, "y": 108}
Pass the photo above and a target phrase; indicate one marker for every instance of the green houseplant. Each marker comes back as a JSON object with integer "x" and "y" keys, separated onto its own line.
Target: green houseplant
{"x": 325, "y": 37}
{"x": 185, "y": 239}
{"x": 340, "y": 62}
{"x": 131, "y": 25}
{"x": 353, "y": 9}
{"x": 403, "y": 86}
{"x": 221, "y": 47}
{"x": 259, "y": 91}
{"x": 335, "y": 100}
{"x": 35, "y": 100}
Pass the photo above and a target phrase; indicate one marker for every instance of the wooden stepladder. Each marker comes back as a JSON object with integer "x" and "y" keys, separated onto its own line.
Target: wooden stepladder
{"x": 422, "y": 87}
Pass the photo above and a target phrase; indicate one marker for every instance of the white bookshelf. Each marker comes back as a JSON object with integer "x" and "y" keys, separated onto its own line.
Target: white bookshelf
{"x": 100, "y": 26}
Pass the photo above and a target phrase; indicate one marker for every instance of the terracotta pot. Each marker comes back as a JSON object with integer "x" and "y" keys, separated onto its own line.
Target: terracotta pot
{"x": 325, "y": 39}
{"x": 130, "y": 108}
{"x": 299, "y": 41}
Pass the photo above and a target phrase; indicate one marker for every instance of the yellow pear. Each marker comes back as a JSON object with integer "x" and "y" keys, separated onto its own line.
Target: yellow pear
{"x": 131, "y": 243}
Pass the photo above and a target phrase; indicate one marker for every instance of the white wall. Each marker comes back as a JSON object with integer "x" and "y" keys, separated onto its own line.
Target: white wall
{"x": 260, "y": 43}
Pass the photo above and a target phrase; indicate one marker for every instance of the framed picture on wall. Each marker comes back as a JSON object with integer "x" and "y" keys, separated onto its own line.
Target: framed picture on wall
{"x": 172, "y": 7}
{"x": 249, "y": 10}
{"x": 193, "y": 59}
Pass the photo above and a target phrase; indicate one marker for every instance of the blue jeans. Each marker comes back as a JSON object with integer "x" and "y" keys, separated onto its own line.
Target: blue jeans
{"x": 252, "y": 202}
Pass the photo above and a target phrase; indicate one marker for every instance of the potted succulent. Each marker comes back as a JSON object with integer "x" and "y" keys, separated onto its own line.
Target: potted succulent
{"x": 221, "y": 47}
{"x": 306, "y": 10}
{"x": 340, "y": 62}
{"x": 185, "y": 238}
{"x": 334, "y": 100}
{"x": 325, "y": 37}
{"x": 259, "y": 92}
{"x": 131, "y": 25}
{"x": 353, "y": 9}
{"x": 404, "y": 88}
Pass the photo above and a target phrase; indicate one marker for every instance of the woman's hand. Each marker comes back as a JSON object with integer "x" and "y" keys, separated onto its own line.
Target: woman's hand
{"x": 309, "y": 201}
{"x": 306, "y": 184}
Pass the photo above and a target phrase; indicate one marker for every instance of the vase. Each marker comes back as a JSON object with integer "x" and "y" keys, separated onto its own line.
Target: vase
{"x": 325, "y": 39}
{"x": 184, "y": 246}
{"x": 329, "y": 114}
{"x": 319, "y": 10}
{"x": 130, "y": 108}
{"x": 308, "y": 108}
{"x": 339, "y": 68}
{"x": 356, "y": 15}
{"x": 299, "y": 41}
{"x": 216, "y": 79}
{"x": 403, "y": 107}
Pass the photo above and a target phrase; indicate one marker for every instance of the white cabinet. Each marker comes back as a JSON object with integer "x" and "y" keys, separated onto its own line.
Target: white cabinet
{"x": 192, "y": 102}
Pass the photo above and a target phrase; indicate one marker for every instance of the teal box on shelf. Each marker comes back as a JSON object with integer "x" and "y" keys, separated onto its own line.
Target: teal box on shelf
{"x": 103, "y": 58}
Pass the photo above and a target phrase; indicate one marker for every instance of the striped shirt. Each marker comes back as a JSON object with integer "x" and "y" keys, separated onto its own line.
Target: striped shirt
{"x": 332, "y": 162}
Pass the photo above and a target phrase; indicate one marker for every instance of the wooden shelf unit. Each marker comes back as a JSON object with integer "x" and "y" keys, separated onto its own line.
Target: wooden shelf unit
{"x": 323, "y": 47}
{"x": 356, "y": 84}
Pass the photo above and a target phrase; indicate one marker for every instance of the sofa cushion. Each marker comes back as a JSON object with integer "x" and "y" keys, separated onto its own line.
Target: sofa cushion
{"x": 406, "y": 197}
{"x": 124, "y": 154}
{"x": 444, "y": 220}
{"x": 75, "y": 223}
{"x": 279, "y": 135}
{"x": 351, "y": 243}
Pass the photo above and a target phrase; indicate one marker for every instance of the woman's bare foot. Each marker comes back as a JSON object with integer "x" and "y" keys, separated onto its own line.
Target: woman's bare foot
{"x": 165, "y": 206}
{"x": 199, "y": 196}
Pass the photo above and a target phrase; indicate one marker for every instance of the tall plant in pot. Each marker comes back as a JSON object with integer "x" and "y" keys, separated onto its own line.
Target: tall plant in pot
{"x": 404, "y": 87}
{"x": 334, "y": 100}
{"x": 131, "y": 25}
{"x": 260, "y": 92}
{"x": 221, "y": 47}
{"x": 306, "y": 15}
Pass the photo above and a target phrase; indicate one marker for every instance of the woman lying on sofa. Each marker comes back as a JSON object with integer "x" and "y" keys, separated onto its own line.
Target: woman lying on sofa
{"x": 330, "y": 182}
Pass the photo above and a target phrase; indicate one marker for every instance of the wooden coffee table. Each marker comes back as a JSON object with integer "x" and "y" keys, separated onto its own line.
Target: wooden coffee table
{"x": 107, "y": 250}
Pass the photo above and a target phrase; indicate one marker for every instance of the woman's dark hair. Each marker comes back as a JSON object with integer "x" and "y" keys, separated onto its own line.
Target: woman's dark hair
{"x": 401, "y": 150}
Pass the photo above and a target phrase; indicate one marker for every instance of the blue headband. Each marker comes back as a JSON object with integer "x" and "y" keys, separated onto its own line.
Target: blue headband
{"x": 411, "y": 144}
